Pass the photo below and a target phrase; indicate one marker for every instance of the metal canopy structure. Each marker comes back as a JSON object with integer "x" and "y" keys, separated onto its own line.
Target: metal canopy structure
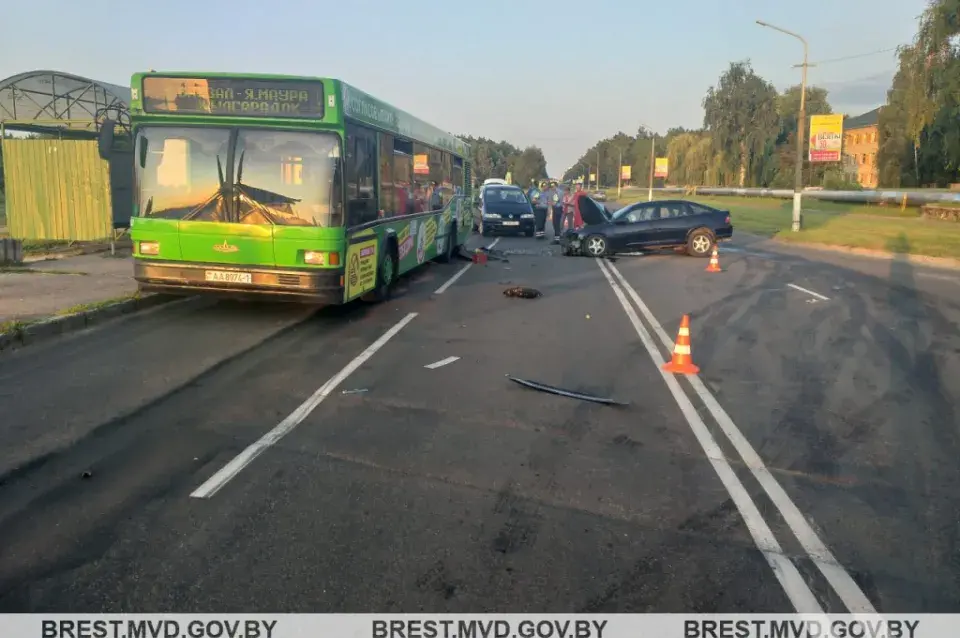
{"x": 56, "y": 102}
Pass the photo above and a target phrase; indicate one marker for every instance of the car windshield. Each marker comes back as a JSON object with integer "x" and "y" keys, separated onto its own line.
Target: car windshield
{"x": 505, "y": 195}
{"x": 632, "y": 212}
{"x": 283, "y": 178}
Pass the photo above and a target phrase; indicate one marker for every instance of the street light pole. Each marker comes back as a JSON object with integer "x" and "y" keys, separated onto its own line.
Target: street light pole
{"x": 598, "y": 169}
{"x": 653, "y": 148}
{"x": 620, "y": 175}
{"x": 801, "y": 122}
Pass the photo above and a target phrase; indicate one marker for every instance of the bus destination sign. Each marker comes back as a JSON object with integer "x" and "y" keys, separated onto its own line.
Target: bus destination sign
{"x": 233, "y": 96}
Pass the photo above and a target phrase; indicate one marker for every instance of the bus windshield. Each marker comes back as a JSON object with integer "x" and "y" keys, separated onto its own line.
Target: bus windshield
{"x": 285, "y": 178}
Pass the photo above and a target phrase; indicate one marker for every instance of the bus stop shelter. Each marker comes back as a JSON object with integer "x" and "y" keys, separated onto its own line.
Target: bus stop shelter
{"x": 56, "y": 185}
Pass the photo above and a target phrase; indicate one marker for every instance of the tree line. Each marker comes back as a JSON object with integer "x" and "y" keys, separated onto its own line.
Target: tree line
{"x": 749, "y": 128}
{"x": 495, "y": 159}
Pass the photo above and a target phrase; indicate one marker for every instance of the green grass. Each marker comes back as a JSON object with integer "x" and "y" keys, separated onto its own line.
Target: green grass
{"x": 41, "y": 246}
{"x": 17, "y": 325}
{"x": 24, "y": 270}
{"x": 95, "y": 305}
{"x": 870, "y": 226}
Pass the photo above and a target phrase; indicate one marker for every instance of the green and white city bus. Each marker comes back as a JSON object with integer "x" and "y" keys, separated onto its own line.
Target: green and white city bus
{"x": 294, "y": 187}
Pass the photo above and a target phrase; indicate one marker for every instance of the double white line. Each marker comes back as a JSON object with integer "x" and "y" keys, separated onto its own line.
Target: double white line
{"x": 784, "y": 569}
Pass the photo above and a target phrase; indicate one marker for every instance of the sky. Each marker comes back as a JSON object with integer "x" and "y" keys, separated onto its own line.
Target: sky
{"x": 558, "y": 74}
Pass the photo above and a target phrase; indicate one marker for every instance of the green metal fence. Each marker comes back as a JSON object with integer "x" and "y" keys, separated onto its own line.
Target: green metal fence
{"x": 56, "y": 189}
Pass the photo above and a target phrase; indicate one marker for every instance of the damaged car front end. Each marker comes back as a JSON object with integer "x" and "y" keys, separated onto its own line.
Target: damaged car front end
{"x": 573, "y": 242}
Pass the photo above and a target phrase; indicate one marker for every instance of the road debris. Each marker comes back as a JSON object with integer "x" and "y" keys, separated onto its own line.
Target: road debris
{"x": 441, "y": 363}
{"x": 492, "y": 253}
{"x": 356, "y": 391}
{"x": 86, "y": 474}
{"x": 522, "y": 292}
{"x": 543, "y": 252}
{"x": 564, "y": 393}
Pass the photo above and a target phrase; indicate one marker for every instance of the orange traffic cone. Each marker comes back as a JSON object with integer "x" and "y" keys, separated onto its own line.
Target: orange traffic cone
{"x": 681, "y": 362}
{"x": 714, "y": 265}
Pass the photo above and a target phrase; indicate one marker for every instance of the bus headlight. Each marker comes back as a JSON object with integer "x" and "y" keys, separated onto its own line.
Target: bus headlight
{"x": 149, "y": 248}
{"x": 314, "y": 257}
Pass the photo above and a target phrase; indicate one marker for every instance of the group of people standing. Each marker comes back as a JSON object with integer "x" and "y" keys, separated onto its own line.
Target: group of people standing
{"x": 558, "y": 200}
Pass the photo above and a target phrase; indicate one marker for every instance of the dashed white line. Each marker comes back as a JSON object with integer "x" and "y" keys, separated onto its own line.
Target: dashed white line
{"x": 459, "y": 273}
{"x": 450, "y": 282}
{"x": 846, "y": 588}
{"x": 242, "y": 460}
{"x": 809, "y": 292}
{"x": 441, "y": 363}
{"x": 783, "y": 568}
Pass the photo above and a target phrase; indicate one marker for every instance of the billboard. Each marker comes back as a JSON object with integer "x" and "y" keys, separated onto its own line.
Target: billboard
{"x": 421, "y": 164}
{"x": 625, "y": 172}
{"x": 660, "y": 168}
{"x": 826, "y": 138}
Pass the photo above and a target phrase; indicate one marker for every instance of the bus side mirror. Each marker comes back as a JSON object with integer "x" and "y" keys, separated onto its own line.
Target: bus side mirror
{"x": 105, "y": 139}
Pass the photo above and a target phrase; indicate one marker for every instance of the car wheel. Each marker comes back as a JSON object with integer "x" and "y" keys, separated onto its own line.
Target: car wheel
{"x": 386, "y": 277}
{"x": 596, "y": 246}
{"x": 700, "y": 243}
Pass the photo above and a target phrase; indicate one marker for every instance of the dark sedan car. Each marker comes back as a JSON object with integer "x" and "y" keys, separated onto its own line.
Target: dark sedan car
{"x": 505, "y": 209}
{"x": 645, "y": 226}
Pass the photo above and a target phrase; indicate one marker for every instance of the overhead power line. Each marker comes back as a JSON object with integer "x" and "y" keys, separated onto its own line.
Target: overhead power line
{"x": 856, "y": 56}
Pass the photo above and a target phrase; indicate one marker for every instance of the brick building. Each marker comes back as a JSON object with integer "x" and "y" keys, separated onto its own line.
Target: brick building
{"x": 860, "y": 144}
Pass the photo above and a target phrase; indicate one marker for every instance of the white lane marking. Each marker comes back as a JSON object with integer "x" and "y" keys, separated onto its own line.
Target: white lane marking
{"x": 459, "y": 273}
{"x": 441, "y": 363}
{"x": 809, "y": 292}
{"x": 450, "y": 282}
{"x": 846, "y": 588}
{"x": 783, "y": 568}
{"x": 242, "y": 460}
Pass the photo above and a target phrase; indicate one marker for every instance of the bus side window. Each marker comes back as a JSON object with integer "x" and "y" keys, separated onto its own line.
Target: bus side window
{"x": 361, "y": 173}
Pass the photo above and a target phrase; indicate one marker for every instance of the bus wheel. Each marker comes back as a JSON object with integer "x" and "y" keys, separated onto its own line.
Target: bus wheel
{"x": 386, "y": 277}
{"x": 449, "y": 247}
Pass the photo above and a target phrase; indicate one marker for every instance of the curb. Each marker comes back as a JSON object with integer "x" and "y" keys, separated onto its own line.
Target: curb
{"x": 54, "y": 326}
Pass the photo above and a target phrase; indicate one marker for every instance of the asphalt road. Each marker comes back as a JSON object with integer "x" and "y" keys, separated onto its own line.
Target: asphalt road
{"x": 204, "y": 456}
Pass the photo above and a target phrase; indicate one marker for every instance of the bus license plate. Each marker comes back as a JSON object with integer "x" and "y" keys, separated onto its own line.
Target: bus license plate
{"x": 229, "y": 277}
{"x": 511, "y": 223}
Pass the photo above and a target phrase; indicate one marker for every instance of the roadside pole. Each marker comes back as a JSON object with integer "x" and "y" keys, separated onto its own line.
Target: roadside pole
{"x": 801, "y": 121}
{"x": 653, "y": 148}
{"x": 598, "y": 169}
{"x": 620, "y": 175}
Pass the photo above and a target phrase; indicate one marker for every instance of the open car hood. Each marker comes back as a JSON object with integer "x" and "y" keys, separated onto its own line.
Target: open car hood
{"x": 592, "y": 212}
